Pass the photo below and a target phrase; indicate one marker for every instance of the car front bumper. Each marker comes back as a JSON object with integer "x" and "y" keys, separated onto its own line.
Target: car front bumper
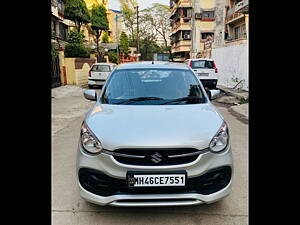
{"x": 148, "y": 200}
{"x": 107, "y": 165}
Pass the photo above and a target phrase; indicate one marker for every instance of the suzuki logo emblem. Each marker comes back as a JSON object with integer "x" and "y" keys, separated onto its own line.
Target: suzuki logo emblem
{"x": 156, "y": 157}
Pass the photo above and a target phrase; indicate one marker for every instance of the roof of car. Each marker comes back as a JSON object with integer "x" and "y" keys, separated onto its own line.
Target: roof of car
{"x": 154, "y": 65}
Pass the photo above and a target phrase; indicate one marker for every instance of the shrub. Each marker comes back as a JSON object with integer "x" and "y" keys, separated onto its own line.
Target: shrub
{"x": 76, "y": 51}
{"x": 75, "y": 37}
{"x": 54, "y": 50}
{"x": 113, "y": 57}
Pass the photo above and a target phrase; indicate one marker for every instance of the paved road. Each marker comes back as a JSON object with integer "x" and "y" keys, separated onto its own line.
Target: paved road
{"x": 69, "y": 209}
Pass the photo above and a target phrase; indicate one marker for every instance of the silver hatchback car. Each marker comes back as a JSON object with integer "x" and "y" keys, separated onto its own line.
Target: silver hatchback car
{"x": 153, "y": 139}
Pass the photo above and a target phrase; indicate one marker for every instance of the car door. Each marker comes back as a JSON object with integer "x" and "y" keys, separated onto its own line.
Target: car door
{"x": 100, "y": 72}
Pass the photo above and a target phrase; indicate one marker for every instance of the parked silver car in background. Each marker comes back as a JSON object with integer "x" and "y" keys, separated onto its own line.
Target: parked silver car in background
{"x": 99, "y": 73}
{"x": 153, "y": 139}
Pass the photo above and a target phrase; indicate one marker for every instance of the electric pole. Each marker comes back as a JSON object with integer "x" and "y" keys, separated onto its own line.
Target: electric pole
{"x": 138, "y": 35}
{"x": 117, "y": 36}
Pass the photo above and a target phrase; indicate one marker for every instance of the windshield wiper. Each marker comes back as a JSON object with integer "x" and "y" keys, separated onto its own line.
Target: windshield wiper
{"x": 182, "y": 99}
{"x": 139, "y": 99}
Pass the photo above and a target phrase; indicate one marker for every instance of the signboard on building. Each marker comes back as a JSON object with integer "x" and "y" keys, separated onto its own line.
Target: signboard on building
{"x": 208, "y": 43}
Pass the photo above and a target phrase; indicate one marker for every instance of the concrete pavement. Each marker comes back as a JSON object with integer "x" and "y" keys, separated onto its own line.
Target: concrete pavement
{"x": 69, "y": 209}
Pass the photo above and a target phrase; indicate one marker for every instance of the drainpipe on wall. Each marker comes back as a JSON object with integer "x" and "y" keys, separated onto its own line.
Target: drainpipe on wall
{"x": 193, "y": 38}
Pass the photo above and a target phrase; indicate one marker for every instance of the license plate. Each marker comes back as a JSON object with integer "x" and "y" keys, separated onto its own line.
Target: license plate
{"x": 203, "y": 74}
{"x": 156, "y": 180}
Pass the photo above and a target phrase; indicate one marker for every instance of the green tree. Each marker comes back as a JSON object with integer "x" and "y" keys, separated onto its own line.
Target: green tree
{"x": 76, "y": 50}
{"x": 105, "y": 38}
{"x": 158, "y": 16}
{"x": 129, "y": 15}
{"x": 77, "y": 11}
{"x": 124, "y": 43}
{"x": 113, "y": 57}
{"x": 99, "y": 23}
{"x": 75, "y": 47}
{"x": 75, "y": 37}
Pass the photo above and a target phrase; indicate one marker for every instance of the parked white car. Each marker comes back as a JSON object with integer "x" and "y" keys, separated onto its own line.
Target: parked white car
{"x": 206, "y": 70}
{"x": 99, "y": 73}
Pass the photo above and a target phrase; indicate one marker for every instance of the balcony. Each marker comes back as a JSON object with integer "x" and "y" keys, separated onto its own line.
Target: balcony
{"x": 241, "y": 7}
{"x": 237, "y": 39}
{"x": 180, "y": 26}
{"x": 57, "y": 8}
{"x": 181, "y": 46}
{"x": 180, "y": 4}
{"x": 233, "y": 17}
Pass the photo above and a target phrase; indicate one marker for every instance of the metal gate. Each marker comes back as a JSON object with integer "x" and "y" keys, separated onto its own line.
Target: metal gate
{"x": 55, "y": 72}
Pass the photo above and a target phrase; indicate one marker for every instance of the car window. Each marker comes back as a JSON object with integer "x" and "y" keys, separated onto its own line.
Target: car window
{"x": 160, "y": 85}
{"x": 101, "y": 68}
{"x": 205, "y": 64}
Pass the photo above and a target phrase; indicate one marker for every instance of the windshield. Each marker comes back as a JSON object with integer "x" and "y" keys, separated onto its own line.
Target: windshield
{"x": 153, "y": 87}
{"x": 203, "y": 64}
{"x": 101, "y": 68}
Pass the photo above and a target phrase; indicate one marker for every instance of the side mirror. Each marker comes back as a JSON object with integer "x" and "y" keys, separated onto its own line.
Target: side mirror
{"x": 212, "y": 94}
{"x": 90, "y": 95}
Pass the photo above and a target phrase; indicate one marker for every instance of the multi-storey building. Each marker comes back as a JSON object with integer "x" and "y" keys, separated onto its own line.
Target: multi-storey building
{"x": 192, "y": 24}
{"x": 181, "y": 16}
{"x": 230, "y": 49}
{"x": 59, "y": 26}
{"x": 115, "y": 19}
{"x": 236, "y": 22}
{"x": 203, "y": 27}
{"x": 90, "y": 3}
{"x": 89, "y": 37}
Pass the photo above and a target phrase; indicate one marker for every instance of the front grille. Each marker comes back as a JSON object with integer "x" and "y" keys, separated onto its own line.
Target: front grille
{"x": 101, "y": 184}
{"x": 158, "y": 157}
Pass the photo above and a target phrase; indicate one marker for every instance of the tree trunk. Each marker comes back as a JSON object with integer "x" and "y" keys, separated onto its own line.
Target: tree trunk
{"x": 98, "y": 35}
{"x": 78, "y": 25}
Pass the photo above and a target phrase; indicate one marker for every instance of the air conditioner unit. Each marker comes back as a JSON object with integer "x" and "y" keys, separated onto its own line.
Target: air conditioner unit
{"x": 198, "y": 15}
{"x": 186, "y": 36}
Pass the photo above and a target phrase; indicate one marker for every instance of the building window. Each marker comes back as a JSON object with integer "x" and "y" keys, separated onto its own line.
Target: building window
{"x": 205, "y": 35}
{"x": 240, "y": 32}
{"x": 236, "y": 32}
{"x": 63, "y": 31}
{"x": 186, "y": 35}
{"x": 187, "y": 12}
{"x": 208, "y": 15}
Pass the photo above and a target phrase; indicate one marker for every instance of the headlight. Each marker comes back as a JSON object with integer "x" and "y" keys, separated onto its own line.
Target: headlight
{"x": 220, "y": 140}
{"x": 88, "y": 140}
